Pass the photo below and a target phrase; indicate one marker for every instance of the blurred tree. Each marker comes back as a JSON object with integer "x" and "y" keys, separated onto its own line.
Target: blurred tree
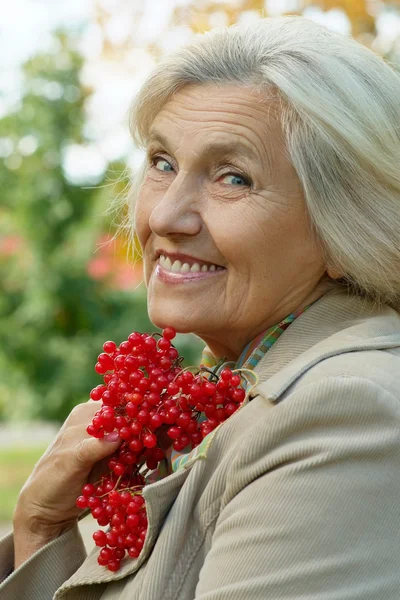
{"x": 57, "y": 305}
{"x": 177, "y": 18}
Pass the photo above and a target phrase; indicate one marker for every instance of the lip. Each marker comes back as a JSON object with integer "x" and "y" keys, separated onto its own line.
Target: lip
{"x": 184, "y": 258}
{"x": 174, "y": 278}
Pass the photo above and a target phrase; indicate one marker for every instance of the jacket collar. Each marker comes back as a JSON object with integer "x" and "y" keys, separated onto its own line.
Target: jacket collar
{"x": 335, "y": 324}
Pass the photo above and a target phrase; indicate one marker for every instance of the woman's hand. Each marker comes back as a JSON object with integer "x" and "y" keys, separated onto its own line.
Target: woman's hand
{"x": 46, "y": 505}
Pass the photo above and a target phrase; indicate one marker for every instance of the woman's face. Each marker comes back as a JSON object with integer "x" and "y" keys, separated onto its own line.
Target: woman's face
{"x": 221, "y": 219}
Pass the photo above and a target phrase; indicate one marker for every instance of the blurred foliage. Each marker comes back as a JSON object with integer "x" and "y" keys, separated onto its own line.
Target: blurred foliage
{"x": 16, "y": 465}
{"x": 59, "y": 300}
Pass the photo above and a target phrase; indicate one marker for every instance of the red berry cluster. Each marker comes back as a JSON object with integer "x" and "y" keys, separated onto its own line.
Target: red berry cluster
{"x": 147, "y": 398}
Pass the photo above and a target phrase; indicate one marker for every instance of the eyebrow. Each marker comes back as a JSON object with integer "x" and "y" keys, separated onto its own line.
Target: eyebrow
{"x": 238, "y": 149}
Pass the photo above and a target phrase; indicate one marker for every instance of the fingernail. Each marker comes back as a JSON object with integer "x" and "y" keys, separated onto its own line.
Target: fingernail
{"x": 112, "y": 437}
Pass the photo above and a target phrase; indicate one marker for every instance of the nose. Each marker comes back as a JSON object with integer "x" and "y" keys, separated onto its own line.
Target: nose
{"x": 177, "y": 213}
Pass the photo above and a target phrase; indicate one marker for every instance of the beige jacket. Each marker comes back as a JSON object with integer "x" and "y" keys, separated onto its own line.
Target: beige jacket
{"x": 298, "y": 497}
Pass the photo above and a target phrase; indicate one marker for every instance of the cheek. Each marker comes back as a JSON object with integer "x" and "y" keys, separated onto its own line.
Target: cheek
{"x": 142, "y": 214}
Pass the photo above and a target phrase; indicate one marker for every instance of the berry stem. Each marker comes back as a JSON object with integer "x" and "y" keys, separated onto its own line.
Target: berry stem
{"x": 245, "y": 373}
{"x": 211, "y": 372}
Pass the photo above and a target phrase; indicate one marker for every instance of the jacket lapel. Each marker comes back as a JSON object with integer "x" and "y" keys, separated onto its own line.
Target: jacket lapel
{"x": 335, "y": 324}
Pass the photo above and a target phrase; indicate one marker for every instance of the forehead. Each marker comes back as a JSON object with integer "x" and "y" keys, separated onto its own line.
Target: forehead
{"x": 214, "y": 119}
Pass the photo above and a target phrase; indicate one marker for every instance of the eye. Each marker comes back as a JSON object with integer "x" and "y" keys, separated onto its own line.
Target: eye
{"x": 155, "y": 161}
{"x": 237, "y": 180}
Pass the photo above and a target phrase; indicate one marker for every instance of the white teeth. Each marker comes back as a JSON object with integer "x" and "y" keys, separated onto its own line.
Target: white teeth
{"x": 176, "y": 267}
{"x": 165, "y": 262}
{"x": 185, "y": 268}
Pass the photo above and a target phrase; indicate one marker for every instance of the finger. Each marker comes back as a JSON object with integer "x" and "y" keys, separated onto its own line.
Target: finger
{"x": 91, "y": 450}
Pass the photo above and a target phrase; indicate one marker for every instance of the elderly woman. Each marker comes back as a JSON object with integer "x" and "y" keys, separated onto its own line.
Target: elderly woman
{"x": 268, "y": 211}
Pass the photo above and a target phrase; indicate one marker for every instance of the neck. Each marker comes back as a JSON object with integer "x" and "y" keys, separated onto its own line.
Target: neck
{"x": 231, "y": 346}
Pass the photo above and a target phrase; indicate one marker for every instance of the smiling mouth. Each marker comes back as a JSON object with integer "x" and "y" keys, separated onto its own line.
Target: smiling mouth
{"x": 179, "y": 267}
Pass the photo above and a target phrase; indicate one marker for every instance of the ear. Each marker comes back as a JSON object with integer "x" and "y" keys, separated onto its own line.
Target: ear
{"x": 333, "y": 274}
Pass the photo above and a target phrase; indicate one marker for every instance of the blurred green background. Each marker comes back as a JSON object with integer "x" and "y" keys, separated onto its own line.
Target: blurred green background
{"x": 67, "y": 75}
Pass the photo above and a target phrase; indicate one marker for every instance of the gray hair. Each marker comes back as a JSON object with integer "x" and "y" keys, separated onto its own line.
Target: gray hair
{"x": 339, "y": 108}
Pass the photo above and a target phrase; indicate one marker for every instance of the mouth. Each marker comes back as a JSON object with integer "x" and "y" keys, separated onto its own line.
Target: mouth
{"x": 175, "y": 268}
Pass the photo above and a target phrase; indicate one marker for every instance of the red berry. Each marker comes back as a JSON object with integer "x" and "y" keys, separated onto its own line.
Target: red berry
{"x": 135, "y": 445}
{"x": 149, "y": 440}
{"x": 238, "y": 395}
{"x": 106, "y": 553}
{"x": 156, "y": 421}
{"x": 109, "y": 347}
{"x": 100, "y": 369}
{"x": 210, "y": 411}
{"x": 139, "y": 544}
{"x": 196, "y": 390}
{"x": 235, "y": 380}
{"x": 184, "y": 440}
{"x": 91, "y": 430}
{"x": 119, "y": 361}
{"x": 131, "y": 363}
{"x": 100, "y": 538}
{"x": 172, "y": 388}
{"x": 183, "y": 420}
{"x": 226, "y": 374}
{"x": 150, "y": 344}
{"x": 106, "y": 360}
{"x": 165, "y": 363}
{"x": 174, "y": 432}
{"x": 97, "y": 392}
{"x": 120, "y": 422}
{"x": 98, "y": 512}
{"x": 158, "y": 454}
{"x": 119, "y": 469}
{"x": 93, "y": 502}
{"x": 136, "y": 398}
{"x": 151, "y": 464}
{"x": 172, "y": 415}
{"x": 88, "y": 490}
{"x": 125, "y": 498}
{"x": 114, "y": 499}
{"x": 230, "y": 408}
{"x": 135, "y": 338}
{"x": 191, "y": 427}
{"x": 196, "y": 438}
{"x": 209, "y": 388}
{"x": 125, "y": 433}
{"x": 164, "y": 344}
{"x": 169, "y": 333}
{"x": 136, "y": 427}
{"x": 143, "y": 416}
{"x": 132, "y": 521}
{"x": 113, "y": 565}
{"x": 81, "y": 502}
{"x": 117, "y": 519}
{"x": 125, "y": 347}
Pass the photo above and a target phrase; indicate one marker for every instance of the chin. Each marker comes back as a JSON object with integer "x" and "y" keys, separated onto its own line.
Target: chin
{"x": 180, "y": 322}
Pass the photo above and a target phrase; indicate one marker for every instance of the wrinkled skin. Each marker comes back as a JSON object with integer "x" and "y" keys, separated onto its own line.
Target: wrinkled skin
{"x": 244, "y": 212}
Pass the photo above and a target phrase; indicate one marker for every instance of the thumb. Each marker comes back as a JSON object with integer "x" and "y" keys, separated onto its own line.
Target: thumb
{"x": 91, "y": 450}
